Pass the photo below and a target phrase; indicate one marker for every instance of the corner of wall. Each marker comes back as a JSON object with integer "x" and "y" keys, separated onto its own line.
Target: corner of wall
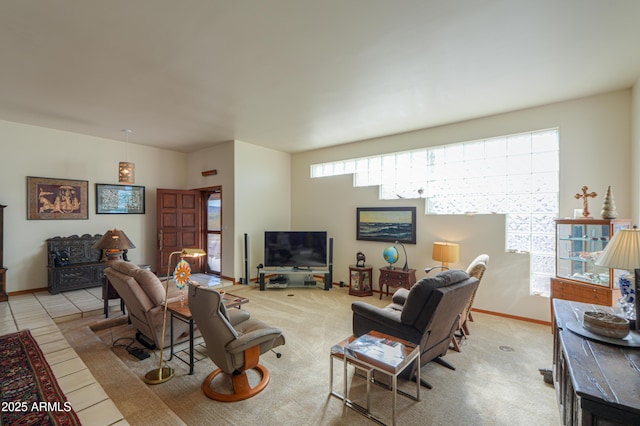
{"x": 635, "y": 151}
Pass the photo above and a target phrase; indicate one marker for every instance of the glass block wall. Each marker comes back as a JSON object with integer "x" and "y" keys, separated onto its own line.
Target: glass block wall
{"x": 516, "y": 175}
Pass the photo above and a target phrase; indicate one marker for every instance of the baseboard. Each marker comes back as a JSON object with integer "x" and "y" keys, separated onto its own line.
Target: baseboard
{"x": 515, "y": 317}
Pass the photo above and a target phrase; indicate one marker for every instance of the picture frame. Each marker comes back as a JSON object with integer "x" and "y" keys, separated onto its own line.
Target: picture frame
{"x": 57, "y": 199}
{"x": 120, "y": 199}
{"x": 386, "y": 224}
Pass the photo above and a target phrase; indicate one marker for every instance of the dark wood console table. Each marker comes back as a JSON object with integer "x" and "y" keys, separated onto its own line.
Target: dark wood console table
{"x": 396, "y": 278}
{"x": 596, "y": 383}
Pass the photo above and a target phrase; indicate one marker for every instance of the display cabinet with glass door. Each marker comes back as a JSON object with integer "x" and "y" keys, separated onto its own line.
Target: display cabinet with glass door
{"x": 579, "y": 242}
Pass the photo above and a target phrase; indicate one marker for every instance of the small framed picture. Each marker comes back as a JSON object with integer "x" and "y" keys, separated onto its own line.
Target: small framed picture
{"x": 119, "y": 199}
{"x": 57, "y": 199}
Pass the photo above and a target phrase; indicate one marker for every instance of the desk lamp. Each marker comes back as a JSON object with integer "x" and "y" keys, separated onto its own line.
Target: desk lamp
{"x": 623, "y": 252}
{"x": 446, "y": 253}
{"x": 406, "y": 260}
{"x": 163, "y": 374}
{"x": 114, "y": 242}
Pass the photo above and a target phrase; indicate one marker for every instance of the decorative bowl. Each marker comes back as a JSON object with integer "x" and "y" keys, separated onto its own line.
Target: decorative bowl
{"x": 606, "y": 324}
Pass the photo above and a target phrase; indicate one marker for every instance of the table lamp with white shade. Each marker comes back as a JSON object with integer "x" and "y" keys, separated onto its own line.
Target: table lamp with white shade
{"x": 623, "y": 252}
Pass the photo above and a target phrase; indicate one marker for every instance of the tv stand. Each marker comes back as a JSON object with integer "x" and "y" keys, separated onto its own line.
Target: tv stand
{"x": 286, "y": 278}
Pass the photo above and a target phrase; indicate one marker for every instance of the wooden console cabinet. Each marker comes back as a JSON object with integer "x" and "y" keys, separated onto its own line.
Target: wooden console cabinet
{"x": 596, "y": 383}
{"x": 360, "y": 280}
{"x": 83, "y": 269}
{"x": 396, "y": 278}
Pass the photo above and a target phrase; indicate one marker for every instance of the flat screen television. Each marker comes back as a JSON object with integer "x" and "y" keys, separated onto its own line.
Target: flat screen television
{"x": 297, "y": 249}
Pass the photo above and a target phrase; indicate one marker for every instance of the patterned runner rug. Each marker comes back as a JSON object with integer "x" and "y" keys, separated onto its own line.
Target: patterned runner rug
{"x": 30, "y": 393}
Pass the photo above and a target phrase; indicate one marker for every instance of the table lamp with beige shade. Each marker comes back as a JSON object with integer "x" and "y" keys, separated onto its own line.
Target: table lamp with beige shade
{"x": 623, "y": 252}
{"x": 446, "y": 253}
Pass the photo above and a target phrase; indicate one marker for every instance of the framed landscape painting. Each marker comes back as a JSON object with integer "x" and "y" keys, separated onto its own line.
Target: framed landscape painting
{"x": 54, "y": 199}
{"x": 119, "y": 199}
{"x": 386, "y": 224}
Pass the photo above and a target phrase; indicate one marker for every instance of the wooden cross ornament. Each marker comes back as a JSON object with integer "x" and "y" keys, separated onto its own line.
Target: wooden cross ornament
{"x": 585, "y": 199}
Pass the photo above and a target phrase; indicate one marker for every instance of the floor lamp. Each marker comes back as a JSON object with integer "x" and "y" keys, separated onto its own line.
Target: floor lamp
{"x": 163, "y": 374}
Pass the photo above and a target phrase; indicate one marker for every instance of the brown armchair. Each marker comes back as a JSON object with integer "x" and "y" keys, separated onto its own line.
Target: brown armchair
{"x": 427, "y": 315}
{"x": 143, "y": 293}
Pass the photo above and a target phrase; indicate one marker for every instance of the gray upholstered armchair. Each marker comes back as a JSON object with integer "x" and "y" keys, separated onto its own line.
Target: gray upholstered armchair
{"x": 427, "y": 315}
{"x": 233, "y": 349}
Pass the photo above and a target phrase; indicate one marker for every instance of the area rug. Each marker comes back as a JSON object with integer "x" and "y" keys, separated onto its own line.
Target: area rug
{"x": 496, "y": 381}
{"x": 30, "y": 393}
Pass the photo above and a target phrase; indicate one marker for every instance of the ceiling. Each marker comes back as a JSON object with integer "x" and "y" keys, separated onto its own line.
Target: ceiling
{"x": 296, "y": 75}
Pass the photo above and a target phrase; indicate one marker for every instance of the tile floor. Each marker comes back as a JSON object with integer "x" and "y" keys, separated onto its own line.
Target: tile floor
{"x": 40, "y": 312}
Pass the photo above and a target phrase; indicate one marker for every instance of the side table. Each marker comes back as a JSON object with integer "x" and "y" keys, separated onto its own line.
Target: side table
{"x": 360, "y": 280}
{"x": 396, "y": 278}
{"x": 371, "y": 352}
{"x": 109, "y": 293}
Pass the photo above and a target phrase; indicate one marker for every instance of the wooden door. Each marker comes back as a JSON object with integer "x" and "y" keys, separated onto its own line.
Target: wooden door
{"x": 179, "y": 226}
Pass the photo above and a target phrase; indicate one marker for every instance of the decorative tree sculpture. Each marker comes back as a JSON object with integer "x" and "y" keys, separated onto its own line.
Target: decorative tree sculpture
{"x": 609, "y": 206}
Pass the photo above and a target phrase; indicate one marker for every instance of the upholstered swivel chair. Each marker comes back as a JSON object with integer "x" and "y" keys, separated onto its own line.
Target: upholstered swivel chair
{"x": 235, "y": 350}
{"x": 476, "y": 269}
{"x": 426, "y": 315}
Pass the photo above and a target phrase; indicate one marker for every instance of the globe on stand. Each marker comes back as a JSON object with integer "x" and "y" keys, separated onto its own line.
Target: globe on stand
{"x": 390, "y": 255}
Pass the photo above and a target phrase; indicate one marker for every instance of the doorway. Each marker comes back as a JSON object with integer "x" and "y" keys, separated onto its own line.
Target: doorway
{"x": 212, "y": 202}
{"x": 190, "y": 219}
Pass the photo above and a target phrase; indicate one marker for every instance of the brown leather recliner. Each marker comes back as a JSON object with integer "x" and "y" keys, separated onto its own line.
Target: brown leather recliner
{"x": 427, "y": 315}
{"x": 143, "y": 293}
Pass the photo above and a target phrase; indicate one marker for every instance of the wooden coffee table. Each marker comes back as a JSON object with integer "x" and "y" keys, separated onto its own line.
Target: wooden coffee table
{"x": 181, "y": 312}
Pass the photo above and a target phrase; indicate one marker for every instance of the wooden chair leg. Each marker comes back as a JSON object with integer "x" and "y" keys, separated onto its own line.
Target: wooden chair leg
{"x": 454, "y": 343}
{"x": 465, "y": 329}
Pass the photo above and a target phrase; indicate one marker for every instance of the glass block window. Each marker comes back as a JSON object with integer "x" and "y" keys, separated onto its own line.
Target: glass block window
{"x": 516, "y": 175}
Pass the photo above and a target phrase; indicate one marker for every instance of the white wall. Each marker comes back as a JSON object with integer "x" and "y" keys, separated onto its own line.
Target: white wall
{"x": 221, "y": 158}
{"x": 37, "y": 151}
{"x": 595, "y": 151}
{"x": 635, "y": 154}
{"x": 256, "y": 196}
{"x": 263, "y": 200}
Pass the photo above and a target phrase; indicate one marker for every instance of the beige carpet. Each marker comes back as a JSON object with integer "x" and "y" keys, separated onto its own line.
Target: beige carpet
{"x": 496, "y": 381}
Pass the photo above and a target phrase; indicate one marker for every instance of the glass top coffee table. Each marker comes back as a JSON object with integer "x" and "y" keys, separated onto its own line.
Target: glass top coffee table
{"x": 375, "y": 351}
{"x": 181, "y": 312}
